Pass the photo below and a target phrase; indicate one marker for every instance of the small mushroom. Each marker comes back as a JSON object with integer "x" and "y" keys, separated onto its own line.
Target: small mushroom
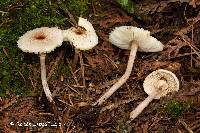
{"x": 41, "y": 40}
{"x": 157, "y": 84}
{"x": 82, "y": 37}
{"x": 132, "y": 38}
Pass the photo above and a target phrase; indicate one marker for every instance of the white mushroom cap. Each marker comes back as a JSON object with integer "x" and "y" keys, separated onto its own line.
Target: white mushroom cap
{"x": 123, "y": 35}
{"x": 40, "y": 40}
{"x": 163, "y": 79}
{"x": 82, "y": 37}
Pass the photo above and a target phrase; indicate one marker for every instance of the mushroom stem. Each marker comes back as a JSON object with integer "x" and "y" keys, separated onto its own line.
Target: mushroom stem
{"x": 44, "y": 79}
{"x": 122, "y": 80}
{"x": 141, "y": 106}
{"x": 162, "y": 86}
{"x": 46, "y": 87}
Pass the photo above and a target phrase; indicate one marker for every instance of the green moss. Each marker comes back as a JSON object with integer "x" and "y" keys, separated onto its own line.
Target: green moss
{"x": 130, "y": 7}
{"x": 175, "y": 109}
{"x": 78, "y": 7}
{"x": 5, "y": 3}
{"x": 193, "y": 70}
{"x": 13, "y": 75}
{"x": 19, "y": 17}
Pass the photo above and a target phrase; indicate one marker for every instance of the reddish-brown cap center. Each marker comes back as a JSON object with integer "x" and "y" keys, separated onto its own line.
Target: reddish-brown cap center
{"x": 39, "y": 36}
{"x": 80, "y": 30}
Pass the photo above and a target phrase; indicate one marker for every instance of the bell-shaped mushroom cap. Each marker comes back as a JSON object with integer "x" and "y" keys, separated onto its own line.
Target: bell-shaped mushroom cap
{"x": 83, "y": 36}
{"x": 123, "y": 35}
{"x": 154, "y": 80}
{"x": 40, "y": 40}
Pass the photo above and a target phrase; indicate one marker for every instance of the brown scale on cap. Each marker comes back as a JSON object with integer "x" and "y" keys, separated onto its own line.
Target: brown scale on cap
{"x": 163, "y": 78}
{"x": 80, "y": 30}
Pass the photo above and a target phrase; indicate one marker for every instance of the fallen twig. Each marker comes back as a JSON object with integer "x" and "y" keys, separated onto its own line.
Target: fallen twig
{"x": 185, "y": 126}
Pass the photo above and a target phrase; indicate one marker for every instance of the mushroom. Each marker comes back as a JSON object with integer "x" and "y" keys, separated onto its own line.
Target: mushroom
{"x": 157, "y": 84}
{"x": 83, "y": 37}
{"x": 133, "y": 38}
{"x": 41, "y": 40}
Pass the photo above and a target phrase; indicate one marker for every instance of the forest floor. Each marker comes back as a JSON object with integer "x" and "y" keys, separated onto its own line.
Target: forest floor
{"x": 175, "y": 24}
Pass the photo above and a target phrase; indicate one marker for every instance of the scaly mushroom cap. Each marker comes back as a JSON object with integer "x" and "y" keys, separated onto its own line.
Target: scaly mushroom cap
{"x": 82, "y": 37}
{"x": 161, "y": 79}
{"x": 123, "y": 35}
{"x": 40, "y": 40}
